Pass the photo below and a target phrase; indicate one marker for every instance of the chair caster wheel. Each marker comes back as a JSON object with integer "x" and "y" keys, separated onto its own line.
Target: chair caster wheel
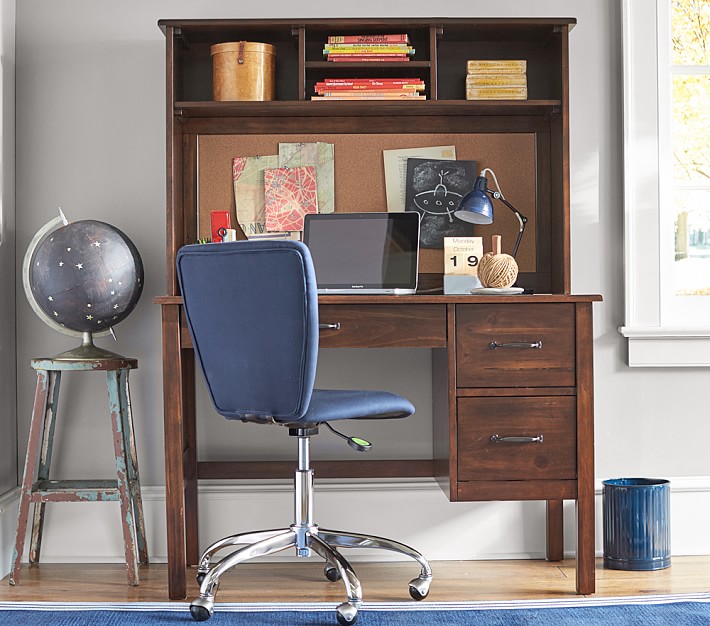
{"x": 346, "y": 614}
{"x": 419, "y": 588}
{"x": 202, "y": 609}
{"x": 200, "y": 613}
{"x": 200, "y": 577}
{"x": 331, "y": 573}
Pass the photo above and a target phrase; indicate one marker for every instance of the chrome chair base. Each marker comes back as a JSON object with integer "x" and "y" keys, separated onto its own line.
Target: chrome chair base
{"x": 306, "y": 537}
{"x": 324, "y": 543}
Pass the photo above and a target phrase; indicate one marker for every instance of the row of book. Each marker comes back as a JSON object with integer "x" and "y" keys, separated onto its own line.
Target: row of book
{"x": 368, "y": 48}
{"x": 369, "y": 89}
{"x": 497, "y": 79}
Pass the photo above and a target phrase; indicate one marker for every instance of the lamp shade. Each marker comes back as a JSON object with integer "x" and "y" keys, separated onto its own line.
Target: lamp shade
{"x": 476, "y": 206}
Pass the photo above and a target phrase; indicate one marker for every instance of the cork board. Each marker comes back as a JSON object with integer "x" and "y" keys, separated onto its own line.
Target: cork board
{"x": 360, "y": 182}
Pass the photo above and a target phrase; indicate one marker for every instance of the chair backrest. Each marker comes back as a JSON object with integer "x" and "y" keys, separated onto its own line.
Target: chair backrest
{"x": 252, "y": 310}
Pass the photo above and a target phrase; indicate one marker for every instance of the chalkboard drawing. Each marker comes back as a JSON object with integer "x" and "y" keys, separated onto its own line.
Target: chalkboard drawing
{"x": 434, "y": 189}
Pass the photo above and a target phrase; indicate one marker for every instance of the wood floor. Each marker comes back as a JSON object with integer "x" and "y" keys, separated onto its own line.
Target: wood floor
{"x": 303, "y": 581}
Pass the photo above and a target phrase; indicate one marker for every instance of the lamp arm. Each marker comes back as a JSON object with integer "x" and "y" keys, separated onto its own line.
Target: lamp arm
{"x": 521, "y": 218}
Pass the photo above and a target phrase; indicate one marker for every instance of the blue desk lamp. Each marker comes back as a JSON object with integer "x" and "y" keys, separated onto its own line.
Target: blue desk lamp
{"x": 477, "y": 208}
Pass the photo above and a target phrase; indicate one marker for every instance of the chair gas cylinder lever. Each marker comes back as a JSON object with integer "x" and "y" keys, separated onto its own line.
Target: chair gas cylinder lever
{"x": 333, "y": 326}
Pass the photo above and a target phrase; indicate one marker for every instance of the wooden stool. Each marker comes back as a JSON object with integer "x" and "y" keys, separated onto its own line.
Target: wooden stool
{"x": 36, "y": 486}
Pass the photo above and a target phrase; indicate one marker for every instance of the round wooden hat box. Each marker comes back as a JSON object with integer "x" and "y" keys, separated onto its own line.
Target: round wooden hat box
{"x": 243, "y": 70}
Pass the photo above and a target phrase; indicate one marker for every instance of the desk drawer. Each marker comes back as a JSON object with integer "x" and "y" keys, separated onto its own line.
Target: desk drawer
{"x": 383, "y": 325}
{"x": 551, "y": 420}
{"x": 510, "y": 345}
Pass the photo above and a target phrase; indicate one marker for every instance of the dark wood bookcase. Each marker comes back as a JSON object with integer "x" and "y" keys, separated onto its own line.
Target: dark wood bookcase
{"x": 507, "y": 373}
{"x": 524, "y": 141}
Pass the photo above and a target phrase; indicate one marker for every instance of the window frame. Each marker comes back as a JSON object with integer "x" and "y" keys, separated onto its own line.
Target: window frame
{"x": 651, "y": 343}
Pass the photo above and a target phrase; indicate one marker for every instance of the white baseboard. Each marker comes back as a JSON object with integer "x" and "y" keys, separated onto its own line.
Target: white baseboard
{"x": 415, "y": 512}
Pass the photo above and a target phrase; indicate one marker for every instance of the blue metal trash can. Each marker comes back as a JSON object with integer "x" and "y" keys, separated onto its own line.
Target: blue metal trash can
{"x": 637, "y": 523}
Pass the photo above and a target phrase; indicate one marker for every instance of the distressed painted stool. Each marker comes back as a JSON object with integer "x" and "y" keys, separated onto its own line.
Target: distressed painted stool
{"x": 38, "y": 488}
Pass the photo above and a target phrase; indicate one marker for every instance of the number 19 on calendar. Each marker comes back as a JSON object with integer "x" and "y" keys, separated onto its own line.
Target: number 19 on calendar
{"x": 461, "y": 255}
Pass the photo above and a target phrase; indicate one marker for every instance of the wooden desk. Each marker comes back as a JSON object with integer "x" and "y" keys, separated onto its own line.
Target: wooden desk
{"x": 512, "y": 408}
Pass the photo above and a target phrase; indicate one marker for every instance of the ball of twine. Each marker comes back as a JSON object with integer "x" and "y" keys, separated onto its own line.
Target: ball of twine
{"x": 497, "y": 270}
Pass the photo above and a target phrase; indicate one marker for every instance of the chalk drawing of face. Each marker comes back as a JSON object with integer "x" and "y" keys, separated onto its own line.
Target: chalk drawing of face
{"x": 438, "y": 201}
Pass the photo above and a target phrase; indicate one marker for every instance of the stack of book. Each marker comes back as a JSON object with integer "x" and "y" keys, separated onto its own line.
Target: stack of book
{"x": 369, "y": 89}
{"x": 503, "y": 79}
{"x": 377, "y": 48}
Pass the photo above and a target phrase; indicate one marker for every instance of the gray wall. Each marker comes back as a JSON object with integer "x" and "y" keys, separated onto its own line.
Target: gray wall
{"x": 8, "y": 381}
{"x": 91, "y": 139}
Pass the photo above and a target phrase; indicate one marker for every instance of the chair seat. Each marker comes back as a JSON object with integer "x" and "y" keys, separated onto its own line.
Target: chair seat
{"x": 328, "y": 405}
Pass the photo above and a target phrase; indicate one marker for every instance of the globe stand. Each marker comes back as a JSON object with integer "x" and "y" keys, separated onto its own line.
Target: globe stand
{"x": 87, "y": 351}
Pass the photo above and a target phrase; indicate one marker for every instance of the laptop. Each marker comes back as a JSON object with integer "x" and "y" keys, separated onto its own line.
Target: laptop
{"x": 364, "y": 253}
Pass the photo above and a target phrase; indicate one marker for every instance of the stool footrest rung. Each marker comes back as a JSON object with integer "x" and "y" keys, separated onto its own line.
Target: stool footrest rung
{"x": 76, "y": 490}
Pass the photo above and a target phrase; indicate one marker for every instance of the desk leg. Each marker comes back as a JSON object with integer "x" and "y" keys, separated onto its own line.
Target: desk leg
{"x": 190, "y": 458}
{"x": 174, "y": 472}
{"x": 555, "y": 530}
{"x": 585, "y": 451}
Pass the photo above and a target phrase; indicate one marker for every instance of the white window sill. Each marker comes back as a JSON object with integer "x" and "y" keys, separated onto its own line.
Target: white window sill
{"x": 652, "y": 346}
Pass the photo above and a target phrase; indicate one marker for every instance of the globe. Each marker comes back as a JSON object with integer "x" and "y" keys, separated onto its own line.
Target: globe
{"x": 84, "y": 277}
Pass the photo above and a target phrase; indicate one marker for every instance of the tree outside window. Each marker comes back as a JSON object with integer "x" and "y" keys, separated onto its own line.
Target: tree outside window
{"x": 690, "y": 145}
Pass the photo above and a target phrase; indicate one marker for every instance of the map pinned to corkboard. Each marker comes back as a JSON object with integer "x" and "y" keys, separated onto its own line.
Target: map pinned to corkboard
{"x": 289, "y": 193}
{"x": 248, "y": 177}
{"x": 320, "y": 155}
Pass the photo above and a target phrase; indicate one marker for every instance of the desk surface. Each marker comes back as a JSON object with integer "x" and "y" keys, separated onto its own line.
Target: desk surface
{"x": 432, "y": 299}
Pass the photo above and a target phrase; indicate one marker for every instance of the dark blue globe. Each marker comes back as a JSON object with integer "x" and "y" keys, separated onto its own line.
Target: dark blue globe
{"x": 86, "y": 276}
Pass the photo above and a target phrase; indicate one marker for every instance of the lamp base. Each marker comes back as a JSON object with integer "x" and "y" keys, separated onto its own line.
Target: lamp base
{"x": 460, "y": 284}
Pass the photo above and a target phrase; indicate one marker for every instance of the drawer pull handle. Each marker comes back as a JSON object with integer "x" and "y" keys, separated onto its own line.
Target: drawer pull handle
{"x": 335, "y": 326}
{"x": 536, "y": 345}
{"x": 499, "y": 439}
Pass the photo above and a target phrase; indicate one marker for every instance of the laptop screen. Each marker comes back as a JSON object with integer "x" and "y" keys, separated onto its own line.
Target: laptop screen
{"x": 366, "y": 253}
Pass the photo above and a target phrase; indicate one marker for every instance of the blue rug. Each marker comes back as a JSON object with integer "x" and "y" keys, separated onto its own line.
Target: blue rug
{"x": 652, "y": 610}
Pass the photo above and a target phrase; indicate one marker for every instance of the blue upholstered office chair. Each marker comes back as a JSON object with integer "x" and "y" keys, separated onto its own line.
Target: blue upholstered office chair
{"x": 252, "y": 310}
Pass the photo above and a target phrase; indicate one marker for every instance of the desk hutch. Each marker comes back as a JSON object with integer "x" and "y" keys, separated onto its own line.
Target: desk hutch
{"x": 513, "y": 375}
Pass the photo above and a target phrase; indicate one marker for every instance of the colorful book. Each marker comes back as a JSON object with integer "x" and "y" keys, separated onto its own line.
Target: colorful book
{"x": 396, "y": 38}
{"x": 496, "y": 66}
{"x": 496, "y": 93}
{"x": 360, "y": 88}
{"x": 371, "y": 97}
{"x": 289, "y": 194}
{"x": 364, "y": 83}
{"x": 496, "y": 80}
{"x": 367, "y": 54}
{"x": 367, "y": 92}
{"x": 363, "y": 58}
{"x": 374, "y": 47}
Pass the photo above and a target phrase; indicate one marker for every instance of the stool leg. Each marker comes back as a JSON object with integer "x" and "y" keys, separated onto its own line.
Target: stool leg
{"x": 45, "y": 382}
{"x": 133, "y": 473}
{"x": 117, "y": 405}
{"x": 45, "y": 459}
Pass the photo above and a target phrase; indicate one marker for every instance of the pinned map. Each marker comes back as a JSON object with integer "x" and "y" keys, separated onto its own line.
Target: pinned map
{"x": 248, "y": 177}
{"x": 321, "y": 156}
{"x": 289, "y": 193}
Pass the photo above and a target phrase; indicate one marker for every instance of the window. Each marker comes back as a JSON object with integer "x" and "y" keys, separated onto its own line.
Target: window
{"x": 667, "y": 181}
